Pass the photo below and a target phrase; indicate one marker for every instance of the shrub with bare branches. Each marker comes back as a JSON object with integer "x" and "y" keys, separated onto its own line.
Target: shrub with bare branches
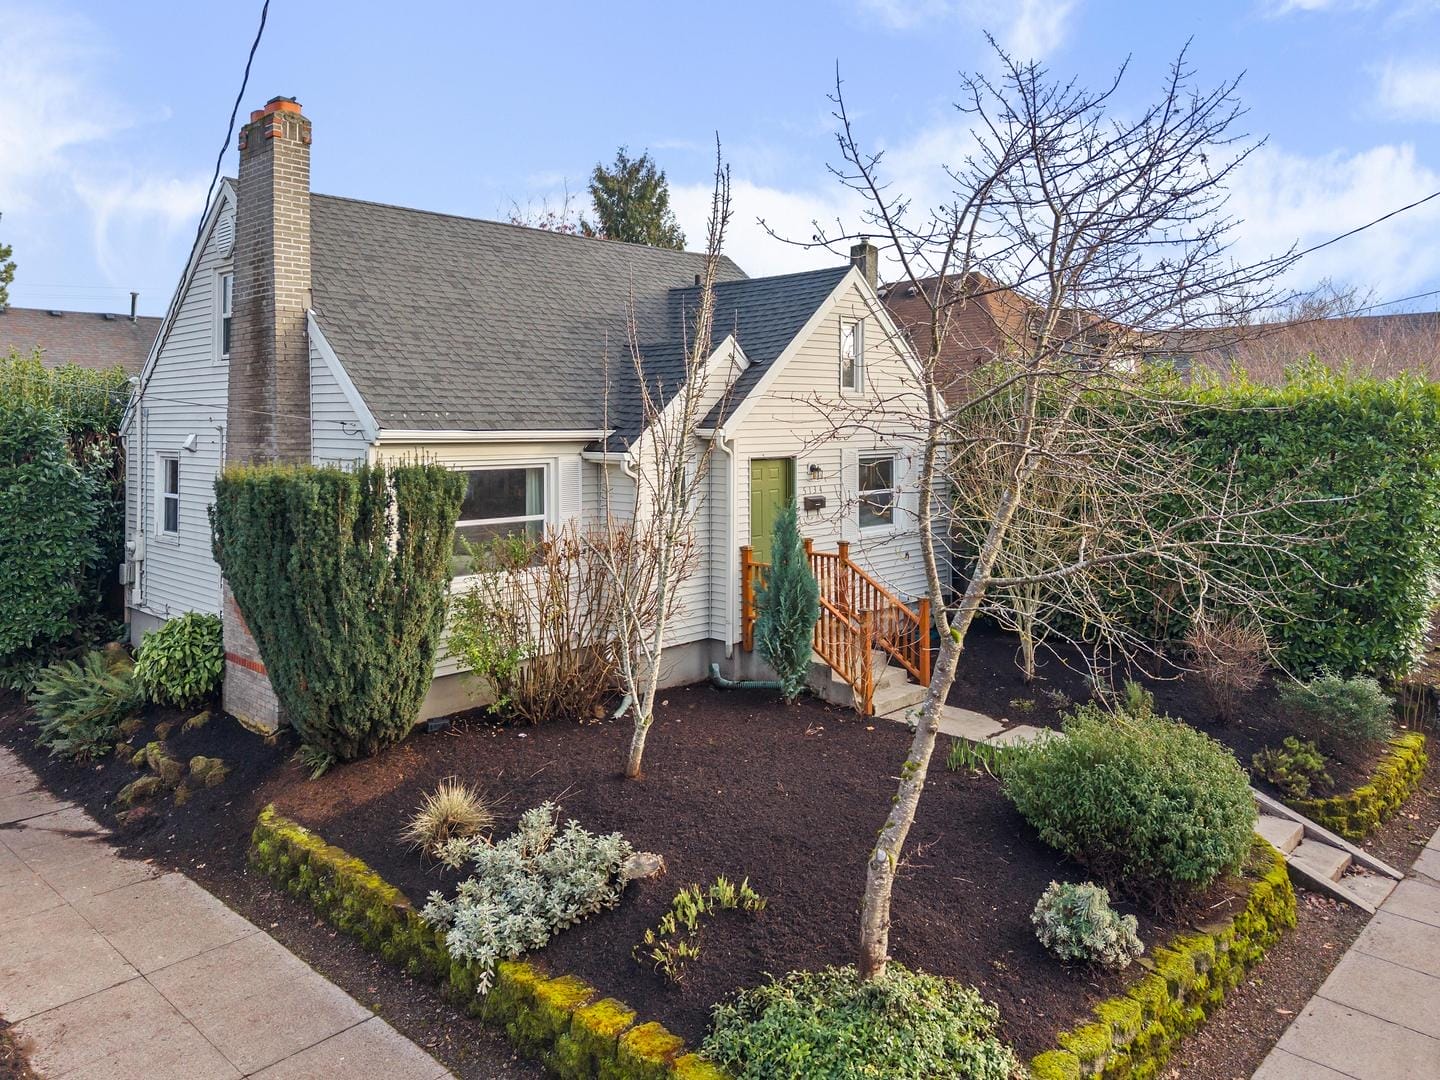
{"x": 1228, "y": 658}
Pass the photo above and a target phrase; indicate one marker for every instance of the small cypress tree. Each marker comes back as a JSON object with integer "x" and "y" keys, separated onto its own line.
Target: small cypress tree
{"x": 789, "y": 605}
{"x": 342, "y": 579}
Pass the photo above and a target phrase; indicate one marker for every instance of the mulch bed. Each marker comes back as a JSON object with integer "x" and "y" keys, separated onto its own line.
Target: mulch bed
{"x": 989, "y": 680}
{"x": 14, "y": 1061}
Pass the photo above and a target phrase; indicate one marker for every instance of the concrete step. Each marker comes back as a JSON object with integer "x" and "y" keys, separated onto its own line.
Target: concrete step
{"x": 1320, "y": 859}
{"x": 1018, "y": 735}
{"x": 1282, "y": 833}
{"x": 967, "y": 724}
{"x": 896, "y": 697}
{"x": 1366, "y": 888}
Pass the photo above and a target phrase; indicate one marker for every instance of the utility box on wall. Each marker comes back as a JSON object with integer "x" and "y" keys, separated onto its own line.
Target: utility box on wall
{"x": 813, "y": 503}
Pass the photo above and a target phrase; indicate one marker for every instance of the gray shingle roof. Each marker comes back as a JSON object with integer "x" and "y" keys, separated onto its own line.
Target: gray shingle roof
{"x": 456, "y": 323}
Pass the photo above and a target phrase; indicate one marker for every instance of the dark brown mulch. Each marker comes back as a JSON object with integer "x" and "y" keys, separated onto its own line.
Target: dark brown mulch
{"x": 207, "y": 839}
{"x": 739, "y": 785}
{"x": 989, "y": 680}
{"x": 14, "y": 1060}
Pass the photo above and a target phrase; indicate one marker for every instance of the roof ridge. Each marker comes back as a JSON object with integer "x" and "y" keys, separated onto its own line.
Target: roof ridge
{"x": 509, "y": 225}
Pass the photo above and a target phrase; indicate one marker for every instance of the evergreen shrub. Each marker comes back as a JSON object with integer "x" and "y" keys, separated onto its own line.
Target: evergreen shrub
{"x": 182, "y": 662}
{"x": 789, "y": 605}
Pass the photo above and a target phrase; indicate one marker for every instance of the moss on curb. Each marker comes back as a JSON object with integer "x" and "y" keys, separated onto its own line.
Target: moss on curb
{"x": 1134, "y": 1034}
{"x": 557, "y": 1020}
{"x": 1356, "y": 814}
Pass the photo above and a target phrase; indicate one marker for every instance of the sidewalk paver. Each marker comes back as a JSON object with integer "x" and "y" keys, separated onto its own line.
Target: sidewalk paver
{"x": 1377, "y": 1017}
{"x": 114, "y": 971}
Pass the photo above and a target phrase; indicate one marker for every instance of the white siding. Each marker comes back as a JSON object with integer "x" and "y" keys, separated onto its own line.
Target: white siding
{"x": 336, "y": 435}
{"x": 184, "y": 395}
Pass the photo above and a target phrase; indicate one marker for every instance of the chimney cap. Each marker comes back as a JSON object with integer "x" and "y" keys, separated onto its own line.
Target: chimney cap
{"x": 277, "y": 104}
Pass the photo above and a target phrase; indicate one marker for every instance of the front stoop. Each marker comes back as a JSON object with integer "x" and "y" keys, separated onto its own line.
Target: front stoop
{"x": 895, "y": 692}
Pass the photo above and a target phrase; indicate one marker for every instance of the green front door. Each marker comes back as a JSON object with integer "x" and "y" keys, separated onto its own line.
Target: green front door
{"x": 772, "y": 488}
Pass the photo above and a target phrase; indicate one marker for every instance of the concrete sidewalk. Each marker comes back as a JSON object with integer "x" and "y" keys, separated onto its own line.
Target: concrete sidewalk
{"x": 114, "y": 971}
{"x": 1377, "y": 1017}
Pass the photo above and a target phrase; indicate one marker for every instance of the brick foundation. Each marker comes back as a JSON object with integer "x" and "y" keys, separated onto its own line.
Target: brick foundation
{"x": 248, "y": 695}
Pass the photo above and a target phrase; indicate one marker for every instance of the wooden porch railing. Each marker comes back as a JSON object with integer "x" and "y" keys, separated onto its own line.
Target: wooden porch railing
{"x": 858, "y": 615}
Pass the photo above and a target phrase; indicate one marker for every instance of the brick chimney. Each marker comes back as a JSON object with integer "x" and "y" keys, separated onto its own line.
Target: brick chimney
{"x": 866, "y": 256}
{"x": 269, "y": 389}
{"x": 269, "y": 377}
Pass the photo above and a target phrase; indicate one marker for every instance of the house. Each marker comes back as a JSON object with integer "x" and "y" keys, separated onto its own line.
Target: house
{"x": 1381, "y": 345}
{"x": 86, "y": 338}
{"x": 322, "y": 329}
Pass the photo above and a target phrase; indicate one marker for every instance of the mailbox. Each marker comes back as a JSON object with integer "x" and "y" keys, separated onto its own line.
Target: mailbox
{"x": 814, "y": 502}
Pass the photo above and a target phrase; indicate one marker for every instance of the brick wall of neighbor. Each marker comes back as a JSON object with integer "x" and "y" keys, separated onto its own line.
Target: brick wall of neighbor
{"x": 269, "y": 377}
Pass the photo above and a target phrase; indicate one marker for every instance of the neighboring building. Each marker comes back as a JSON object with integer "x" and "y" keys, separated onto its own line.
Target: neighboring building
{"x": 1382, "y": 345}
{"x": 87, "y": 338}
{"x": 316, "y": 328}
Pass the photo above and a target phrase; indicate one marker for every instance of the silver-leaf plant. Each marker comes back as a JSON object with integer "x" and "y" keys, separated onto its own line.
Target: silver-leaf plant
{"x": 1077, "y": 923}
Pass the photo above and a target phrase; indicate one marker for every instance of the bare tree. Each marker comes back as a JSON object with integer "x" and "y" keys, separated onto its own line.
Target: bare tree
{"x": 1114, "y": 229}
{"x": 651, "y": 521}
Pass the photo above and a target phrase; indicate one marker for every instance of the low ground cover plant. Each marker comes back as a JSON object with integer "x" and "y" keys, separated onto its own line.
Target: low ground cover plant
{"x": 81, "y": 705}
{"x": 1294, "y": 768}
{"x": 676, "y": 939}
{"x": 525, "y": 888}
{"x": 453, "y": 811}
{"x": 1077, "y": 923}
{"x": 829, "y": 1025}
{"x": 182, "y": 662}
{"x": 1149, "y": 805}
{"x": 1341, "y": 714}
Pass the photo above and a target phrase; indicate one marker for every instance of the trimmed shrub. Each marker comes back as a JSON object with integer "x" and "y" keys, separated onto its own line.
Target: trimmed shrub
{"x": 47, "y": 522}
{"x": 79, "y": 707}
{"x": 342, "y": 577}
{"x": 829, "y": 1025}
{"x": 1340, "y": 713}
{"x": 1151, "y": 806}
{"x": 182, "y": 662}
{"x": 526, "y": 888}
{"x": 1293, "y": 768}
{"x": 789, "y": 605}
{"x": 1076, "y": 922}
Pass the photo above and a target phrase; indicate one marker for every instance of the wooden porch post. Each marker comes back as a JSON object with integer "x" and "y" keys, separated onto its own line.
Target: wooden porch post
{"x": 924, "y": 641}
{"x": 747, "y": 600}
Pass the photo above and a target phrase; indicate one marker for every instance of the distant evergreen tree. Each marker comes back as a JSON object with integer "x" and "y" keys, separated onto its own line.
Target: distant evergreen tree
{"x": 632, "y": 203}
{"x": 7, "y": 269}
{"x": 789, "y": 605}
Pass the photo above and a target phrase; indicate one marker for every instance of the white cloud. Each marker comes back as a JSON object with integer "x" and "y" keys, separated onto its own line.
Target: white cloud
{"x": 1286, "y": 198}
{"x": 1278, "y": 8}
{"x": 1029, "y": 29}
{"x": 130, "y": 214}
{"x": 1410, "y": 89}
{"x": 790, "y": 213}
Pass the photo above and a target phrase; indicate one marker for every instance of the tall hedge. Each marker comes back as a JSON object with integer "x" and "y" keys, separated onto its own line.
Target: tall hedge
{"x": 1372, "y": 443}
{"x": 342, "y": 578}
{"x": 47, "y": 518}
{"x": 87, "y": 406}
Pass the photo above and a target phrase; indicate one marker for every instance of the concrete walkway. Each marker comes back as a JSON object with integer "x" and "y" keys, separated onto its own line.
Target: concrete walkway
{"x": 112, "y": 970}
{"x": 1377, "y": 1017}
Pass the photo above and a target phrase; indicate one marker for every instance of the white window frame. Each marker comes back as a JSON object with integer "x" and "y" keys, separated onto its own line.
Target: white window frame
{"x": 857, "y": 369}
{"x": 894, "y": 490}
{"x": 221, "y": 315}
{"x": 545, "y": 517}
{"x": 162, "y": 496}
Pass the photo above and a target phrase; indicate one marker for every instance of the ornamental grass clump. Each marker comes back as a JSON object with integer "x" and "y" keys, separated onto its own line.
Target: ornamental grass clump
{"x": 831, "y": 1025}
{"x": 453, "y": 811}
{"x": 1077, "y": 923}
{"x": 1152, "y": 807}
{"x": 526, "y": 888}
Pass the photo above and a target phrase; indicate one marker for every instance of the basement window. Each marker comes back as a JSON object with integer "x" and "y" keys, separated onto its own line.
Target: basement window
{"x": 501, "y": 502}
{"x": 877, "y": 490}
{"x": 169, "y": 492}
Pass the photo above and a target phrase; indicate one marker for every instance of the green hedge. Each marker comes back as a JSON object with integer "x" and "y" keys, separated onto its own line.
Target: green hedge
{"x": 1134, "y": 1034}
{"x": 562, "y": 1021}
{"x": 1376, "y": 444}
{"x": 342, "y": 577}
{"x": 1356, "y": 814}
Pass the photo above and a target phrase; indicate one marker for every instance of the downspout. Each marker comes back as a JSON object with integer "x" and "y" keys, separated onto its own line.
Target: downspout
{"x": 742, "y": 684}
{"x": 723, "y": 441}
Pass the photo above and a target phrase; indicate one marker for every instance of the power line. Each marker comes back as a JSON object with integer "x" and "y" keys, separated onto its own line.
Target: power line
{"x": 234, "y": 112}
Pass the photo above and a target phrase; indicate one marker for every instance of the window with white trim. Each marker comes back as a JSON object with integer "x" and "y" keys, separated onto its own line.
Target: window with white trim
{"x": 226, "y": 288}
{"x": 852, "y": 354}
{"x": 502, "y": 502}
{"x": 877, "y": 490}
{"x": 167, "y": 515}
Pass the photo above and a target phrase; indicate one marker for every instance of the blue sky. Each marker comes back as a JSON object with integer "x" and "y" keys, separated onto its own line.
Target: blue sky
{"x": 111, "y": 114}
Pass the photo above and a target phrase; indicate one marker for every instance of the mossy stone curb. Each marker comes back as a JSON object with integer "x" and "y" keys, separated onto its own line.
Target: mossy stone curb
{"x": 1356, "y": 814}
{"x": 1133, "y": 1035}
{"x": 562, "y": 1021}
